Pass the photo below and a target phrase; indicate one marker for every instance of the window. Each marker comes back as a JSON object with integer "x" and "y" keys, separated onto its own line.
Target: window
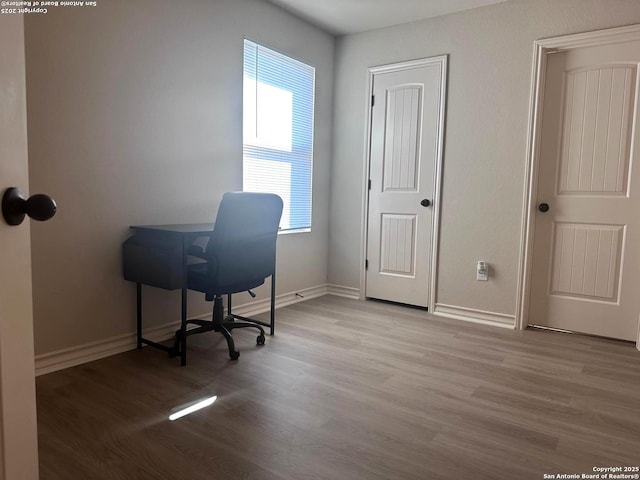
{"x": 278, "y": 102}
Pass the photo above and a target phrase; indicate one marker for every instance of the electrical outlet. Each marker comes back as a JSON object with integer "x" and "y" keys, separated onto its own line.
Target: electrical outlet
{"x": 482, "y": 271}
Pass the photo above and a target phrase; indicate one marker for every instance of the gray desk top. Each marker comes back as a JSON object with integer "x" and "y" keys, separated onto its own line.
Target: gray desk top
{"x": 177, "y": 228}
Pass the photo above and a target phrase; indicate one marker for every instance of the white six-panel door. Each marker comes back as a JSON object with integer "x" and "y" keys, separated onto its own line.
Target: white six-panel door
{"x": 586, "y": 258}
{"x": 406, "y": 132}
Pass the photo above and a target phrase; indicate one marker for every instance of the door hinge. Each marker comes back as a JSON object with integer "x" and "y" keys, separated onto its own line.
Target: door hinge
{"x": 369, "y": 184}
{"x": 373, "y": 100}
{"x": 366, "y": 264}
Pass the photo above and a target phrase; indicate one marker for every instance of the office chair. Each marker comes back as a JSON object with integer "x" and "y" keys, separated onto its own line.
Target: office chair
{"x": 240, "y": 255}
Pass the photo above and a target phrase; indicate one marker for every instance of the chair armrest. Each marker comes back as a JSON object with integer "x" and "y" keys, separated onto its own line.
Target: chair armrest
{"x": 196, "y": 251}
{"x": 198, "y": 246}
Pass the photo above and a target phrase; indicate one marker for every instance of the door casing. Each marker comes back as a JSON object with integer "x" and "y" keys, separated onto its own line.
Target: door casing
{"x": 364, "y": 229}
{"x": 541, "y": 50}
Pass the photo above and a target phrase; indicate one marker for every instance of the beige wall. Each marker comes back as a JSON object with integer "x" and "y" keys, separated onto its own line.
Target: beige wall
{"x": 490, "y": 57}
{"x": 135, "y": 111}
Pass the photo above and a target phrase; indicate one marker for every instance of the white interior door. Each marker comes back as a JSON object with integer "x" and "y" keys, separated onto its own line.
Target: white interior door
{"x": 586, "y": 258}
{"x": 406, "y": 132}
{"x": 18, "y": 437}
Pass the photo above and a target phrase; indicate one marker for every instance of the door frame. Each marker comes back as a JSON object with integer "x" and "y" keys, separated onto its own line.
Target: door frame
{"x": 541, "y": 50}
{"x": 442, "y": 60}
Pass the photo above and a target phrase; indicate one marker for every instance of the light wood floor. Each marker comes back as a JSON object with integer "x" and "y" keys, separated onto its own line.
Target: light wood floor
{"x": 349, "y": 390}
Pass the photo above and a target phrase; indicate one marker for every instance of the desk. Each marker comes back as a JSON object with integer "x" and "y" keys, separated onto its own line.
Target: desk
{"x": 156, "y": 255}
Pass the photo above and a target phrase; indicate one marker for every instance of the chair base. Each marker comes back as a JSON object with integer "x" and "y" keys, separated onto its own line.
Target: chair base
{"x": 221, "y": 324}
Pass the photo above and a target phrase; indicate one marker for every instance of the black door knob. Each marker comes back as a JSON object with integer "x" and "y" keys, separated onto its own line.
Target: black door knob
{"x": 543, "y": 207}
{"x": 15, "y": 206}
{"x": 426, "y": 202}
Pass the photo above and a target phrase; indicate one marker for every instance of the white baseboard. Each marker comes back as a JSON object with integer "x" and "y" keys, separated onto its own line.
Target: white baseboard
{"x": 282, "y": 300}
{"x": 340, "y": 291}
{"x": 475, "y": 316}
{"x": 71, "y": 357}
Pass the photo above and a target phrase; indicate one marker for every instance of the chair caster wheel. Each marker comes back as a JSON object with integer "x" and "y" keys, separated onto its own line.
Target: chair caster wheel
{"x": 260, "y": 340}
{"x": 234, "y": 355}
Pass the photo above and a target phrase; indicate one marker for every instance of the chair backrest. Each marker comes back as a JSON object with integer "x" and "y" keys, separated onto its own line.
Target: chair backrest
{"x": 242, "y": 249}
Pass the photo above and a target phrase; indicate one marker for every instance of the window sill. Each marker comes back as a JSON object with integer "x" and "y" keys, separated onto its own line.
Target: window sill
{"x": 295, "y": 230}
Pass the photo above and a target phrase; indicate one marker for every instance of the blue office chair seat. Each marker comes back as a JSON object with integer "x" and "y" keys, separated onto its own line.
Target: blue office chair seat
{"x": 199, "y": 280}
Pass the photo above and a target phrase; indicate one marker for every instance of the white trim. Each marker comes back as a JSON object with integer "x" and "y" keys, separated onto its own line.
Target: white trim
{"x": 530, "y": 187}
{"x": 282, "y": 300}
{"x": 475, "y": 316}
{"x": 294, "y": 230}
{"x": 437, "y": 195}
{"x": 542, "y": 48}
{"x": 341, "y": 291}
{"x": 71, "y": 357}
{"x": 408, "y": 65}
{"x": 364, "y": 210}
{"x": 606, "y": 36}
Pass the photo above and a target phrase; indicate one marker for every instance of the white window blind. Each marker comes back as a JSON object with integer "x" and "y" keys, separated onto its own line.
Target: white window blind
{"x": 278, "y": 106}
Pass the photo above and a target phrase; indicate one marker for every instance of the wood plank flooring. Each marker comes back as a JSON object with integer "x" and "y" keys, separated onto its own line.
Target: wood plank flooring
{"x": 349, "y": 390}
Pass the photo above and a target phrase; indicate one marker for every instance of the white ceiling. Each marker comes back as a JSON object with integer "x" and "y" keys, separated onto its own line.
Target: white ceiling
{"x": 351, "y": 16}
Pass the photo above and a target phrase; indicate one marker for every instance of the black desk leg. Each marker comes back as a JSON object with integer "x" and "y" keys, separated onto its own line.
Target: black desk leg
{"x": 139, "y": 313}
{"x": 183, "y": 329}
{"x": 273, "y": 305}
